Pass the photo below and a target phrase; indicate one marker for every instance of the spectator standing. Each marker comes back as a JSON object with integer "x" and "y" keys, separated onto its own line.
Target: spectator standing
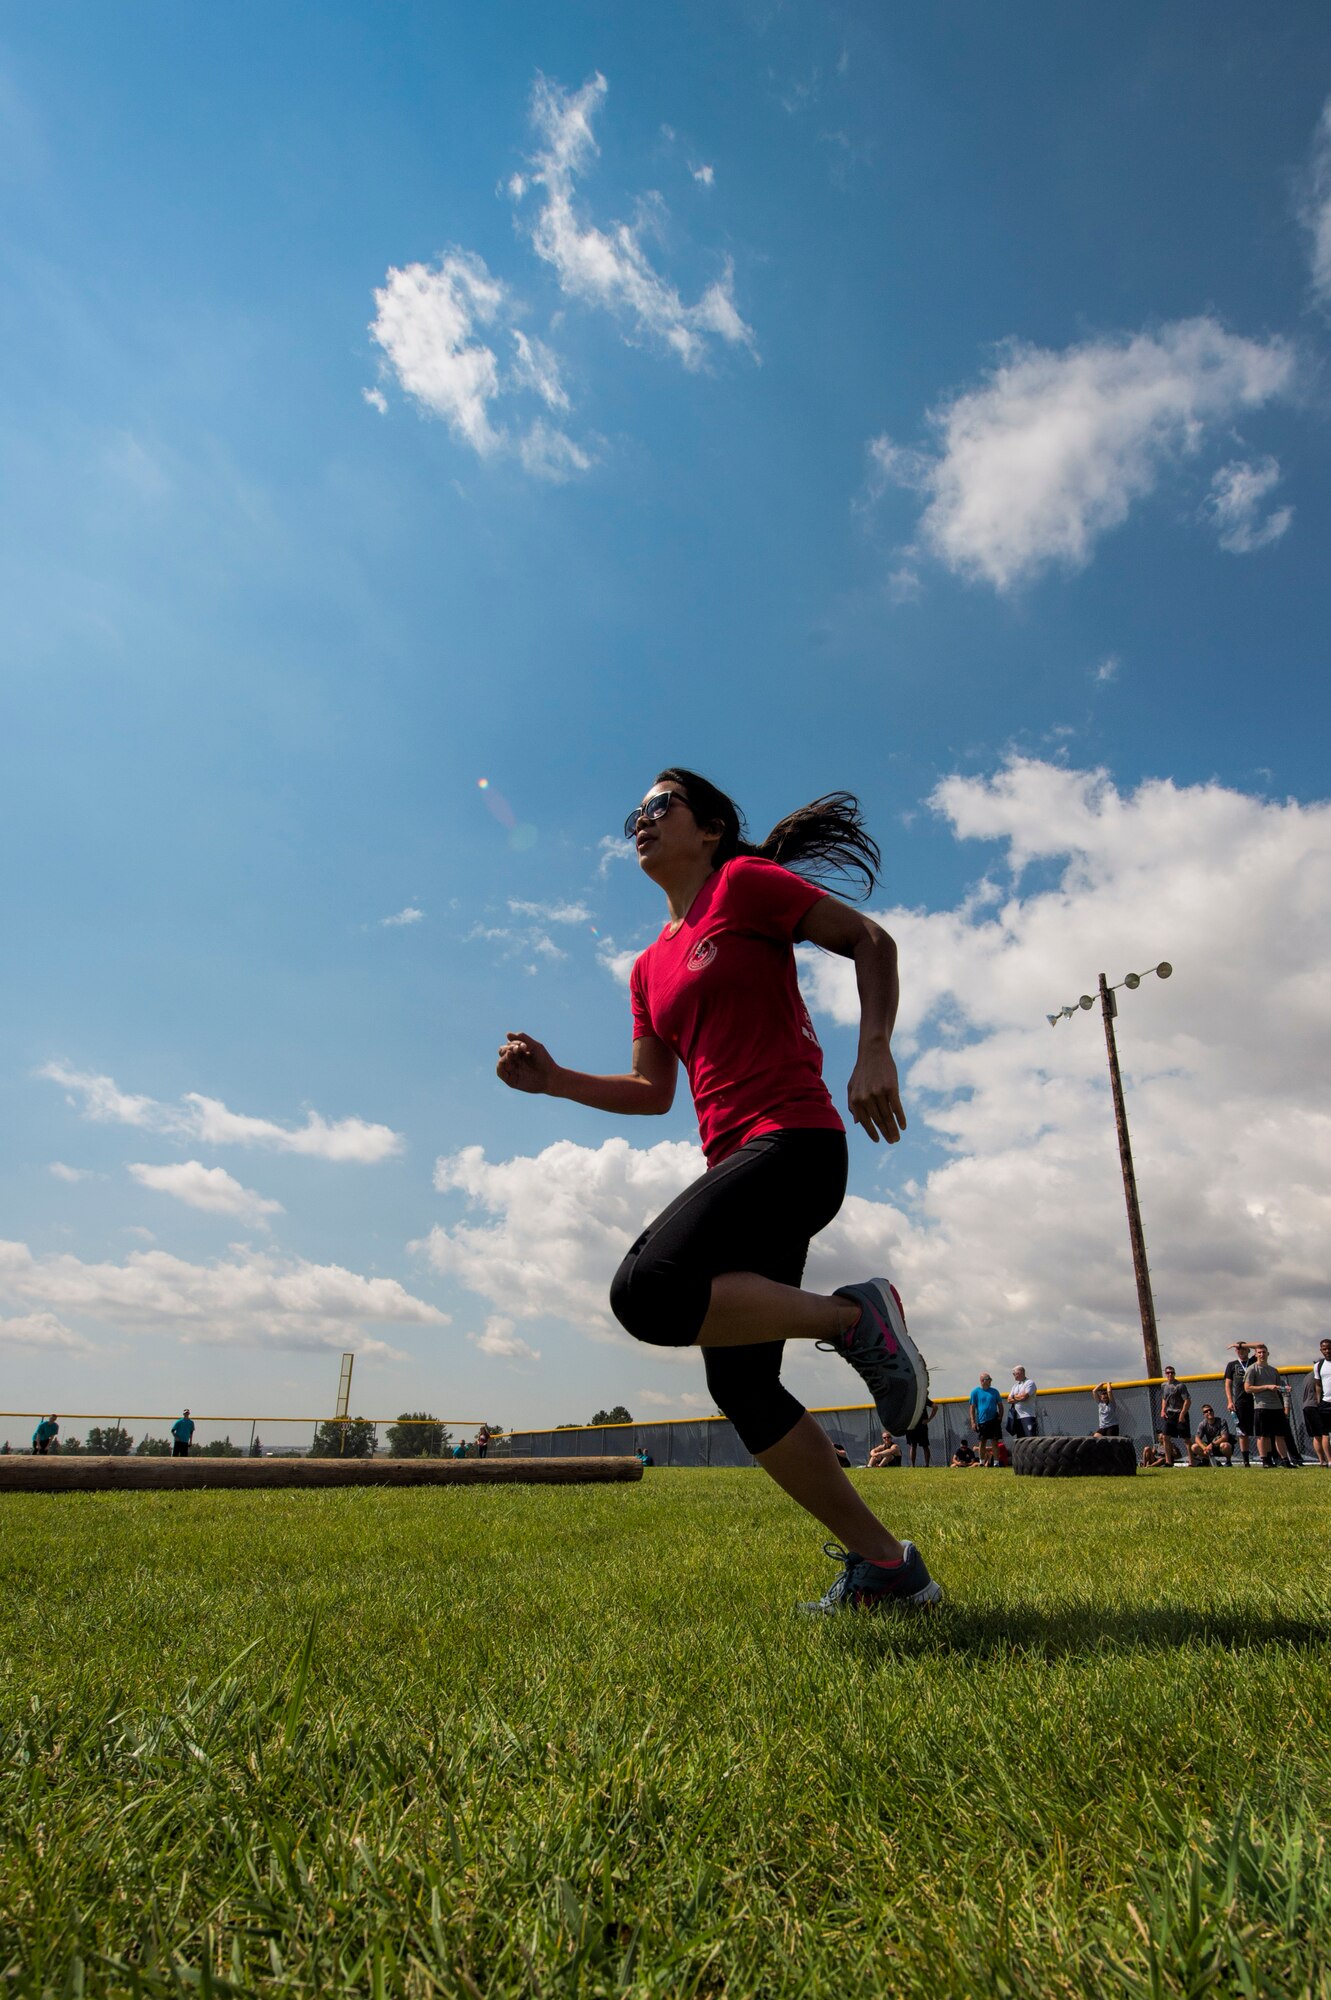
{"x": 1021, "y": 1406}
{"x": 47, "y": 1431}
{"x": 885, "y": 1454}
{"x": 1175, "y": 1416}
{"x": 1266, "y": 1387}
{"x": 483, "y": 1436}
{"x": 182, "y": 1430}
{"x": 1215, "y": 1440}
{"x": 1106, "y": 1411}
{"x": 986, "y": 1407}
{"x": 917, "y": 1437}
{"x": 1317, "y": 1404}
{"x": 1237, "y": 1399}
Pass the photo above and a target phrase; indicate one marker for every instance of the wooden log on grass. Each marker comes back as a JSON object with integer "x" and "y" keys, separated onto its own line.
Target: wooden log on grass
{"x": 82, "y": 1473}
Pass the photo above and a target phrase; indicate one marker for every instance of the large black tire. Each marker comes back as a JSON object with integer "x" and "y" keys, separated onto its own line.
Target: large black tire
{"x": 1074, "y": 1457}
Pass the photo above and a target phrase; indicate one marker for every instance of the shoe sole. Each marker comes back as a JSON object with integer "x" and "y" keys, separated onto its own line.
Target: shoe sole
{"x": 890, "y": 1307}
{"x": 931, "y": 1594}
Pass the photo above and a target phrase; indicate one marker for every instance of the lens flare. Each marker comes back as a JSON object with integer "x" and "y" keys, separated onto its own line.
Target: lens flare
{"x": 520, "y": 836}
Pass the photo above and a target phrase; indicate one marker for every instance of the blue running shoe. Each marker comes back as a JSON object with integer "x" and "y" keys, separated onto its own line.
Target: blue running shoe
{"x": 867, "y": 1586}
{"x": 883, "y": 1354}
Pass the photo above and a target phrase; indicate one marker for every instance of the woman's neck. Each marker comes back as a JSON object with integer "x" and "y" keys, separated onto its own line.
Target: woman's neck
{"x": 681, "y": 889}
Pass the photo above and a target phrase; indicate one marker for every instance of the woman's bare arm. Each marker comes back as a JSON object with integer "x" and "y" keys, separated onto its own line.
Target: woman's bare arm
{"x": 874, "y": 1094}
{"x": 647, "y": 1090}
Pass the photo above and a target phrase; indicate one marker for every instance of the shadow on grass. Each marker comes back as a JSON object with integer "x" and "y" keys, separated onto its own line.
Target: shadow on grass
{"x": 1081, "y": 1630}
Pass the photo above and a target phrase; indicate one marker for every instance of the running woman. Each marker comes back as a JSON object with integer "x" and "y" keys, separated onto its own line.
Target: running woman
{"x": 721, "y": 1267}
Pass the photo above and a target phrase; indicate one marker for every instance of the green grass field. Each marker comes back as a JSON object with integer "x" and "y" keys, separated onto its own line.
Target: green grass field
{"x": 574, "y": 1742}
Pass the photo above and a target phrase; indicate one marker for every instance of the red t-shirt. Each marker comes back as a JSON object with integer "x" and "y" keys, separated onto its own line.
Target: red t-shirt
{"x": 722, "y": 992}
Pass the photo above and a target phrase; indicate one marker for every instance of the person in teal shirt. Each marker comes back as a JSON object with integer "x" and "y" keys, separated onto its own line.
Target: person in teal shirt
{"x": 987, "y": 1418}
{"x": 182, "y": 1430}
{"x": 44, "y": 1435}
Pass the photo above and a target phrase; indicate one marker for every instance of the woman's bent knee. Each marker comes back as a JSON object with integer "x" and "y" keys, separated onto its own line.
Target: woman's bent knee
{"x": 657, "y": 1305}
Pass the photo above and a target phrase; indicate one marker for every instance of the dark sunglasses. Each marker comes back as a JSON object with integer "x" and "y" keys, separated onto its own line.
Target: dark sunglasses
{"x": 656, "y": 807}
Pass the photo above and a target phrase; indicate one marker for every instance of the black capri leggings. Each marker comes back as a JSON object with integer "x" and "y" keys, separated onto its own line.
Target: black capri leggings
{"x": 755, "y": 1212}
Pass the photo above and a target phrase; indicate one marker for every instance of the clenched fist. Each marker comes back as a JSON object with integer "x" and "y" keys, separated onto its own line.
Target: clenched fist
{"x": 526, "y": 1064}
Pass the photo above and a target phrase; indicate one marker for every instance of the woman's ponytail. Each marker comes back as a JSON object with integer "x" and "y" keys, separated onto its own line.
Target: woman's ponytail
{"x": 828, "y": 836}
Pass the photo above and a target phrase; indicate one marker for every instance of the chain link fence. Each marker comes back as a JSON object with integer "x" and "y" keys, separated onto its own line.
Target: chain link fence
{"x": 713, "y": 1441}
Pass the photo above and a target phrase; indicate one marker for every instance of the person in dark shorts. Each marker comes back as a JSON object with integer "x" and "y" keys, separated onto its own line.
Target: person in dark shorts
{"x": 1317, "y": 1404}
{"x": 986, "y": 1407}
{"x": 917, "y": 1437}
{"x": 45, "y": 1435}
{"x": 721, "y": 1268}
{"x": 1266, "y": 1386}
{"x": 1175, "y": 1425}
{"x": 1214, "y": 1440}
{"x": 182, "y": 1430}
{"x": 483, "y": 1437}
{"x": 1106, "y": 1411}
{"x": 1237, "y": 1400}
{"x": 1022, "y": 1421}
{"x": 965, "y": 1454}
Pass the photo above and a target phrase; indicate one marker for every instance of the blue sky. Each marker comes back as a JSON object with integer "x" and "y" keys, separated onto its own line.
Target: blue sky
{"x": 933, "y": 405}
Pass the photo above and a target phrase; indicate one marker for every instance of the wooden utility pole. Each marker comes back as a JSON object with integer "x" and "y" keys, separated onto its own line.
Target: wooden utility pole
{"x": 1150, "y": 1338}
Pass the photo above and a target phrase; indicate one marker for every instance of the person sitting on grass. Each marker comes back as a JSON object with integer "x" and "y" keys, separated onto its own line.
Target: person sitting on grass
{"x": 1152, "y": 1455}
{"x": 965, "y": 1454}
{"x": 884, "y": 1454}
{"x": 842, "y": 1455}
{"x": 1214, "y": 1440}
{"x": 722, "y": 1267}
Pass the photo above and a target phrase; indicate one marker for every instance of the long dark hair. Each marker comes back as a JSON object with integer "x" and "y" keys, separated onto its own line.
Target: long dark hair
{"x": 826, "y": 837}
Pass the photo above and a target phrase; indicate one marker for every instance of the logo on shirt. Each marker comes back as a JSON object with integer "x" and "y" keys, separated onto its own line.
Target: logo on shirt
{"x": 702, "y": 954}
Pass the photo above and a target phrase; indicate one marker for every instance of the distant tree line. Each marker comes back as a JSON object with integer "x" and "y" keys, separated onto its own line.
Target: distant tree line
{"x": 114, "y": 1441}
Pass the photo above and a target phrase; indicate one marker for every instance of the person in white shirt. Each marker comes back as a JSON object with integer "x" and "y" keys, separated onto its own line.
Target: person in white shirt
{"x": 1021, "y": 1404}
{"x": 1317, "y": 1414}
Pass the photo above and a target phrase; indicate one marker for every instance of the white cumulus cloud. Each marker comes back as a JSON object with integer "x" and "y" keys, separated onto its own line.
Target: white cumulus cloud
{"x": 429, "y": 323}
{"x": 439, "y": 326}
{"x": 207, "y": 1119}
{"x": 212, "y": 1189}
{"x": 1052, "y": 450}
{"x": 409, "y": 915}
{"x": 247, "y": 1300}
{"x": 42, "y": 1329}
{"x": 548, "y": 1232}
{"x": 499, "y": 1339}
{"x": 1235, "y": 505}
{"x": 70, "y": 1174}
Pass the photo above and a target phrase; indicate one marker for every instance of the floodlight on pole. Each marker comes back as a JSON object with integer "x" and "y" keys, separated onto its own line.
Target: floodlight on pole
{"x": 1109, "y": 1009}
